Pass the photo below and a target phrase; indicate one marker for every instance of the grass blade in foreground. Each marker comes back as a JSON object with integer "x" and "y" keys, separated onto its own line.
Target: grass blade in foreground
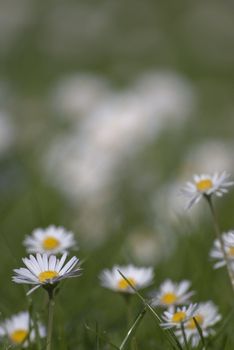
{"x": 174, "y": 342}
{"x": 200, "y": 333}
{"x": 132, "y": 330}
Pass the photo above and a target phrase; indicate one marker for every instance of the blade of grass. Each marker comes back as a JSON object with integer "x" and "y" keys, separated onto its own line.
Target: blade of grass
{"x": 132, "y": 330}
{"x": 184, "y": 336}
{"x": 169, "y": 333}
{"x": 200, "y": 333}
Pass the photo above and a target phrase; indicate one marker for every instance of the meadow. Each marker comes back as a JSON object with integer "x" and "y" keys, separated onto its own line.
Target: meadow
{"x": 106, "y": 113}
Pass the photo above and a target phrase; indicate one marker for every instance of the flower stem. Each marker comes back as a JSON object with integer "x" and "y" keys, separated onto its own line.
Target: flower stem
{"x": 221, "y": 241}
{"x": 50, "y": 318}
{"x": 184, "y": 336}
{"x": 128, "y": 299}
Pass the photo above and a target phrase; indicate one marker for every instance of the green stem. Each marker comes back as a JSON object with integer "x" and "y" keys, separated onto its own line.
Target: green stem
{"x": 221, "y": 241}
{"x": 129, "y": 311}
{"x": 184, "y": 336}
{"x": 132, "y": 330}
{"x": 128, "y": 299}
{"x": 50, "y": 318}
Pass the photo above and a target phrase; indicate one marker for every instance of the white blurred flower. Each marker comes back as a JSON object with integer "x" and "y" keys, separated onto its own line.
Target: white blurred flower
{"x": 206, "y": 184}
{"x": 114, "y": 130}
{"x": 139, "y": 277}
{"x": 171, "y": 294}
{"x": 115, "y": 127}
{"x": 216, "y": 252}
{"x": 219, "y": 153}
{"x": 206, "y": 316}
{"x": 167, "y": 96}
{"x": 17, "y": 329}
{"x": 79, "y": 94}
{"x": 51, "y": 240}
{"x": 167, "y": 203}
{"x": 44, "y": 270}
{"x": 173, "y": 318}
{"x": 149, "y": 246}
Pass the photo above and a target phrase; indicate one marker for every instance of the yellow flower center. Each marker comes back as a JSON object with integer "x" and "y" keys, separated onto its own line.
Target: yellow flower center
{"x": 50, "y": 243}
{"x": 178, "y": 316}
{"x": 231, "y": 251}
{"x": 123, "y": 284}
{"x": 204, "y": 185}
{"x": 18, "y": 336}
{"x": 47, "y": 275}
{"x": 169, "y": 298}
{"x": 191, "y": 323}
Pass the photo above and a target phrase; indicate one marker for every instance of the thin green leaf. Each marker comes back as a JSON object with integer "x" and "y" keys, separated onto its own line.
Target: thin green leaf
{"x": 132, "y": 330}
{"x": 184, "y": 336}
{"x": 200, "y": 333}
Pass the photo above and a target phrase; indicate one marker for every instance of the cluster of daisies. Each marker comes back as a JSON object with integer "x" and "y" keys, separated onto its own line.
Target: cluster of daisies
{"x": 188, "y": 320}
{"x": 173, "y": 298}
{"x": 44, "y": 269}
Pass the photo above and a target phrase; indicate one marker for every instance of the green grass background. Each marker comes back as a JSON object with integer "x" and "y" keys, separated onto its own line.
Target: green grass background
{"x": 194, "y": 39}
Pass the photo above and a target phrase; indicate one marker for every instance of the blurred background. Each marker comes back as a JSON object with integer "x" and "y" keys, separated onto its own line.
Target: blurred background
{"x": 106, "y": 109}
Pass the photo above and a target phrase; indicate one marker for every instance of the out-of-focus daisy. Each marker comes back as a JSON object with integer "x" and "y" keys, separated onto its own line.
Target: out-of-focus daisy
{"x": 218, "y": 151}
{"x": 171, "y": 294}
{"x": 139, "y": 277}
{"x": 206, "y": 316}
{"x": 149, "y": 246}
{"x": 44, "y": 270}
{"x": 51, "y": 240}
{"x": 207, "y": 185}
{"x": 19, "y": 329}
{"x": 174, "y": 318}
{"x": 217, "y": 253}
{"x": 79, "y": 94}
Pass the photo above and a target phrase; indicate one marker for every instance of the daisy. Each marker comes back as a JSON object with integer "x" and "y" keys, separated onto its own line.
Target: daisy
{"x": 19, "y": 328}
{"x": 51, "y": 240}
{"x": 217, "y": 253}
{"x": 171, "y": 294}
{"x": 206, "y": 185}
{"x": 44, "y": 270}
{"x": 139, "y": 277}
{"x": 174, "y": 318}
{"x": 206, "y": 316}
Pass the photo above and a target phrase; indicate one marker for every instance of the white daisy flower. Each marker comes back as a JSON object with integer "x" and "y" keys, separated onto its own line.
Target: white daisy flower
{"x": 206, "y": 185}
{"x": 44, "y": 270}
{"x": 51, "y": 240}
{"x": 216, "y": 252}
{"x": 174, "y": 318}
{"x": 139, "y": 277}
{"x": 171, "y": 294}
{"x": 17, "y": 329}
{"x": 206, "y": 316}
